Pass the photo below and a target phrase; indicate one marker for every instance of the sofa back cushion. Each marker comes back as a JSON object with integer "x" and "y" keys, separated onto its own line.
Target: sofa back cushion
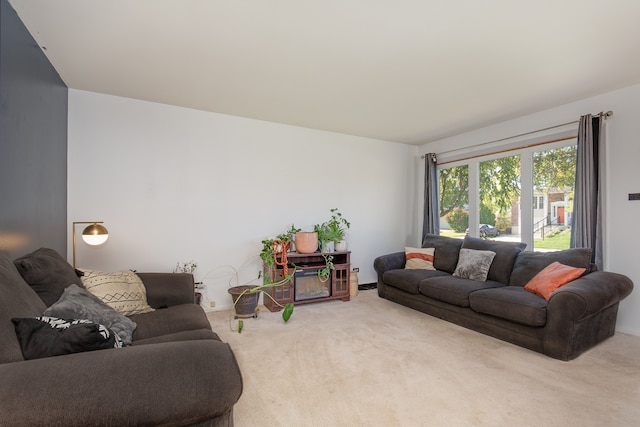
{"x": 506, "y": 253}
{"x": 445, "y": 257}
{"x": 17, "y": 299}
{"x": 48, "y": 273}
{"x": 528, "y": 264}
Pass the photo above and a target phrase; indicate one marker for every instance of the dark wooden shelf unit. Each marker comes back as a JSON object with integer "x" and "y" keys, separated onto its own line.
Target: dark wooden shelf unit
{"x": 337, "y": 286}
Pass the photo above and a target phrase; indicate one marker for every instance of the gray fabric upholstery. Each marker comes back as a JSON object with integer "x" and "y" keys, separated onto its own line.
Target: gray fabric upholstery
{"x": 506, "y": 253}
{"x": 409, "y": 280}
{"x": 454, "y": 290}
{"x": 445, "y": 257}
{"x": 196, "y": 334}
{"x": 17, "y": 299}
{"x": 511, "y": 303}
{"x": 179, "y": 374}
{"x": 164, "y": 290}
{"x": 78, "y": 303}
{"x": 172, "y": 384}
{"x": 528, "y": 264}
{"x": 164, "y": 321}
{"x": 578, "y": 316}
{"x": 48, "y": 273}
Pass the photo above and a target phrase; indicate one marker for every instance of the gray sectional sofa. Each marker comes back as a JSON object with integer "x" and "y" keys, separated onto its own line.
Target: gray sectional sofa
{"x": 576, "y": 317}
{"x": 176, "y": 372}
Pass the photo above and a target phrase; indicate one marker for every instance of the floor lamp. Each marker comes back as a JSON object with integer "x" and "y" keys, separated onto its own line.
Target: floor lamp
{"x": 94, "y": 235}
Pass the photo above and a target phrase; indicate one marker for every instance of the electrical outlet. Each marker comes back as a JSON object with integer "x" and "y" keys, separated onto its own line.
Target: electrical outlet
{"x": 212, "y": 304}
{"x": 356, "y": 269}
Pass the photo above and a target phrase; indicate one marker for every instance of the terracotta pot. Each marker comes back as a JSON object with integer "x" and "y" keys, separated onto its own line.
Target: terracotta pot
{"x": 306, "y": 242}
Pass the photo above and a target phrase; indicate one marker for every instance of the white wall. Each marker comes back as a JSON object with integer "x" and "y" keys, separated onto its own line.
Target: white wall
{"x": 623, "y": 176}
{"x": 174, "y": 184}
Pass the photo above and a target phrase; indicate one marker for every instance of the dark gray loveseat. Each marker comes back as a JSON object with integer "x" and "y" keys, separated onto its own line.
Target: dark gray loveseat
{"x": 176, "y": 372}
{"x": 576, "y": 317}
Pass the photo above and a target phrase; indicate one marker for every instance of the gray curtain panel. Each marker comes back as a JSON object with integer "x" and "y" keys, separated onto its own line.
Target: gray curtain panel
{"x": 586, "y": 221}
{"x": 431, "y": 220}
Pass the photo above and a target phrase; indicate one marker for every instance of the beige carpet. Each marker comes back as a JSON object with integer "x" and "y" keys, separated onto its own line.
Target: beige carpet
{"x": 371, "y": 362}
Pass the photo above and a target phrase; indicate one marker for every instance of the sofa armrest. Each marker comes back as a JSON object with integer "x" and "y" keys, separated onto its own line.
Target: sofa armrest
{"x": 590, "y": 294}
{"x": 388, "y": 262}
{"x": 177, "y": 383}
{"x": 168, "y": 289}
{"x": 583, "y": 313}
{"x": 385, "y": 263}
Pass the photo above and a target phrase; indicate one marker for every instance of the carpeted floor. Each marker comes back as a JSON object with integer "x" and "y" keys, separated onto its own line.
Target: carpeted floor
{"x": 371, "y": 362}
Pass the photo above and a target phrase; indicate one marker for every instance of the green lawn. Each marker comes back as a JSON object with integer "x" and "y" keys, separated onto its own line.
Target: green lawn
{"x": 451, "y": 233}
{"x": 558, "y": 242}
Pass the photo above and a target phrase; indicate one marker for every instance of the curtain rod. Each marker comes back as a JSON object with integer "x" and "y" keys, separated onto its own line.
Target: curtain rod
{"x": 607, "y": 114}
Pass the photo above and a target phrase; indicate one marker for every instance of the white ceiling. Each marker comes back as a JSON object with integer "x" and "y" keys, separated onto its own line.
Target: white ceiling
{"x": 397, "y": 70}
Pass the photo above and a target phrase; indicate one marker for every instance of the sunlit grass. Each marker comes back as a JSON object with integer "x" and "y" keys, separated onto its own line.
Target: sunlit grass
{"x": 451, "y": 233}
{"x": 559, "y": 241}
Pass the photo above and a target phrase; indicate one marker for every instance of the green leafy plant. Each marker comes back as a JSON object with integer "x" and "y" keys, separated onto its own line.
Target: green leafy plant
{"x": 334, "y": 229}
{"x": 325, "y": 272}
{"x": 287, "y": 308}
{"x": 269, "y": 246}
{"x": 458, "y": 219}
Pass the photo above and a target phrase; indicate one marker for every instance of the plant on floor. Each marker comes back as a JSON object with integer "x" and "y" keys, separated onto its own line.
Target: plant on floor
{"x": 287, "y": 308}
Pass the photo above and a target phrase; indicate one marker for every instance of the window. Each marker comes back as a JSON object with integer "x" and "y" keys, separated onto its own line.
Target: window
{"x": 526, "y": 194}
{"x": 554, "y": 173}
{"x": 454, "y": 201}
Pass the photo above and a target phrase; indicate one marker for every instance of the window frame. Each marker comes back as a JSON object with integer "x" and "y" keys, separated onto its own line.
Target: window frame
{"x": 526, "y": 183}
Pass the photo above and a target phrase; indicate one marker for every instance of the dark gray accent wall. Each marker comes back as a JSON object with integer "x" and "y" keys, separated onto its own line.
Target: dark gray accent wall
{"x": 33, "y": 143}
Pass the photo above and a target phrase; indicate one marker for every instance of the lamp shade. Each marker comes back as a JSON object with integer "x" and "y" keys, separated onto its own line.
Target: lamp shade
{"x": 95, "y": 234}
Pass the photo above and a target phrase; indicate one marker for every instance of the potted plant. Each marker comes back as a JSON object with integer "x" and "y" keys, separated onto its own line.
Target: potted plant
{"x": 246, "y": 297}
{"x": 332, "y": 232}
{"x": 190, "y": 267}
{"x": 282, "y": 242}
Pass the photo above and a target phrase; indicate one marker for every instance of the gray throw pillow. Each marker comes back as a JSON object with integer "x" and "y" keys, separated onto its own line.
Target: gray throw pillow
{"x": 48, "y": 273}
{"x": 78, "y": 303}
{"x": 474, "y": 265}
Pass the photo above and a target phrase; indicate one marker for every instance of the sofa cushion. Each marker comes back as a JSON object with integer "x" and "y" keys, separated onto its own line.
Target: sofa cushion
{"x": 121, "y": 290}
{"x": 78, "y": 303}
{"x": 474, "y": 264}
{"x": 170, "y": 320}
{"x": 551, "y": 278}
{"x": 445, "y": 257}
{"x": 50, "y": 336}
{"x": 506, "y": 253}
{"x": 48, "y": 273}
{"x": 512, "y": 303}
{"x": 196, "y": 334}
{"x": 453, "y": 290}
{"x": 17, "y": 299}
{"x": 528, "y": 264}
{"x": 409, "y": 280}
{"x": 419, "y": 258}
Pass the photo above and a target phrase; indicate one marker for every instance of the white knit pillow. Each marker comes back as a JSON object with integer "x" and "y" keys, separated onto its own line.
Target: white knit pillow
{"x": 123, "y": 290}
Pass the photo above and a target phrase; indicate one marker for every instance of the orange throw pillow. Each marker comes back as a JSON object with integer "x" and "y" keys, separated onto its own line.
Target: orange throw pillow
{"x": 551, "y": 278}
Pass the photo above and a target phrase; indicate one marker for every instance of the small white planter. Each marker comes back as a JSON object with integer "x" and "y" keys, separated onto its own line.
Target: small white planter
{"x": 341, "y": 245}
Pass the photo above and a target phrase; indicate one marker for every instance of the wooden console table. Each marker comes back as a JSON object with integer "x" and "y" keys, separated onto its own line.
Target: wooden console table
{"x": 302, "y": 268}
